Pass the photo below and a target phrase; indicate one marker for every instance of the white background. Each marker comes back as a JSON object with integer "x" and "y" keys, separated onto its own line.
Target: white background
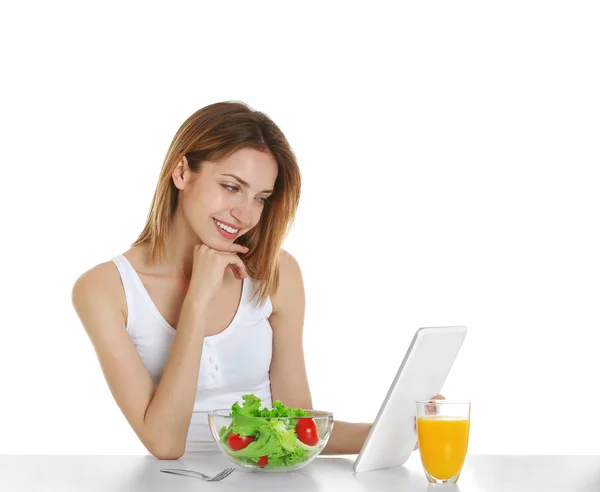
{"x": 449, "y": 154}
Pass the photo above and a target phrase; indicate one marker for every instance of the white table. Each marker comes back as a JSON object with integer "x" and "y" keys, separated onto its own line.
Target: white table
{"x": 492, "y": 473}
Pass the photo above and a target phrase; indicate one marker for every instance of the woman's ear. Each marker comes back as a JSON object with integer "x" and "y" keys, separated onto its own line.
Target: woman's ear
{"x": 180, "y": 173}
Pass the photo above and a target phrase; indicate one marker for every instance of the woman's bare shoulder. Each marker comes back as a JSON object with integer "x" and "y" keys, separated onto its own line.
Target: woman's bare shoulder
{"x": 99, "y": 277}
{"x": 287, "y": 262}
{"x": 290, "y": 280}
{"x": 101, "y": 286}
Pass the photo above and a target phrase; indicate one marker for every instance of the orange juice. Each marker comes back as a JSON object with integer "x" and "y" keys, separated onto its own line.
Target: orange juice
{"x": 443, "y": 444}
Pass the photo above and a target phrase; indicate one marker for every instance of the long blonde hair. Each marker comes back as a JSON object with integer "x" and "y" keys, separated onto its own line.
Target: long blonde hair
{"x": 215, "y": 132}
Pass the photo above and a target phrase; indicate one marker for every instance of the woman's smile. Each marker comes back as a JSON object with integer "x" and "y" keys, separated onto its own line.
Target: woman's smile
{"x": 226, "y": 231}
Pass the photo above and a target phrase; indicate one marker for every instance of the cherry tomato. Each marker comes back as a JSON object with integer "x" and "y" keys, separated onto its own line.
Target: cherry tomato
{"x": 236, "y": 442}
{"x": 263, "y": 461}
{"x": 307, "y": 431}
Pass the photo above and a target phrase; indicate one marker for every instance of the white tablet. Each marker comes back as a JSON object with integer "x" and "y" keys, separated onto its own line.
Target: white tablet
{"x": 421, "y": 376}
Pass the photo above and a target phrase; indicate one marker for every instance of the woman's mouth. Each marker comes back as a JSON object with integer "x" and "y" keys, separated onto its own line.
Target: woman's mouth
{"x": 226, "y": 231}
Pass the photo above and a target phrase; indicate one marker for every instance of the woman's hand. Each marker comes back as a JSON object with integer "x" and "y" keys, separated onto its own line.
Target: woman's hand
{"x": 208, "y": 268}
{"x": 436, "y": 397}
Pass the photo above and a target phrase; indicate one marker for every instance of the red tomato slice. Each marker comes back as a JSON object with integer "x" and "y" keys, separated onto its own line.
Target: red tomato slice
{"x": 263, "y": 461}
{"x": 236, "y": 442}
{"x": 307, "y": 431}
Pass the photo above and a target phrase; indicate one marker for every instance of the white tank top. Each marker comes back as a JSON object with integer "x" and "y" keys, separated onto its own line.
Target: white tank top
{"x": 233, "y": 362}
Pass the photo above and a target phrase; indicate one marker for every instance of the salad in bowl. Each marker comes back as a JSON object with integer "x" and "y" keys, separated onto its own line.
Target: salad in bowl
{"x": 279, "y": 439}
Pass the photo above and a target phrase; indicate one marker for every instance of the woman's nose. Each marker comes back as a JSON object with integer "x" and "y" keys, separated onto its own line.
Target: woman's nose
{"x": 243, "y": 214}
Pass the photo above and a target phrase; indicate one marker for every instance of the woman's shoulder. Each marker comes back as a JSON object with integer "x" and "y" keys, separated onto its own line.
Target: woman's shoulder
{"x": 285, "y": 256}
{"x": 98, "y": 276}
{"x": 289, "y": 268}
{"x": 105, "y": 276}
{"x": 290, "y": 285}
{"x": 100, "y": 285}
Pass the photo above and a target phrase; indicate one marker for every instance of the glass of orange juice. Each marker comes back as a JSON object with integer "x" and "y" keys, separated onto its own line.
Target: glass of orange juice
{"x": 443, "y": 433}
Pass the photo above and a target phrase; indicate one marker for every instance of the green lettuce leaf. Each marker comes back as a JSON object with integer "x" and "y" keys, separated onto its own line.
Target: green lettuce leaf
{"x": 273, "y": 429}
{"x": 250, "y": 406}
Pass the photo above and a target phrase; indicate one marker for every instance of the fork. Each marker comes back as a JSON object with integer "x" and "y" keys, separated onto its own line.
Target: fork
{"x": 195, "y": 474}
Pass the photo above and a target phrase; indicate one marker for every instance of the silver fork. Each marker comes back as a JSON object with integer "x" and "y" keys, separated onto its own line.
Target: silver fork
{"x": 195, "y": 474}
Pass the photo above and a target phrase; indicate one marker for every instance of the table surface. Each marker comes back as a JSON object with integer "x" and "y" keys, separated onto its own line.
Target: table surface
{"x": 492, "y": 473}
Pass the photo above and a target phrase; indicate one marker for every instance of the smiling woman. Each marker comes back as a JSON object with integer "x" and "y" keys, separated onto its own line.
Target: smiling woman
{"x": 224, "y": 147}
{"x": 206, "y": 306}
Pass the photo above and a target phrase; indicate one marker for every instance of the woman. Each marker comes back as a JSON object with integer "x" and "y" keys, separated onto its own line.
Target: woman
{"x": 206, "y": 306}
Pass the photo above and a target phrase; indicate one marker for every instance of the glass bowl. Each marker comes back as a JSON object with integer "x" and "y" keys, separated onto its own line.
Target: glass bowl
{"x": 275, "y": 444}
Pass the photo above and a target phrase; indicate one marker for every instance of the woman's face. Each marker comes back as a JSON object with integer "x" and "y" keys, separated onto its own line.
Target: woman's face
{"x": 229, "y": 193}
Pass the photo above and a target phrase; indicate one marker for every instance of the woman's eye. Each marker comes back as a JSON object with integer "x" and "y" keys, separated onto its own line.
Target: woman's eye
{"x": 235, "y": 189}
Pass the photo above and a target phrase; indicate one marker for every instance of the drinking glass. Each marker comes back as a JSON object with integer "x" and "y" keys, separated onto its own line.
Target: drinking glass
{"x": 443, "y": 434}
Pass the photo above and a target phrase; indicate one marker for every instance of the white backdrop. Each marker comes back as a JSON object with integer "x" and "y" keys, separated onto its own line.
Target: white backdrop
{"x": 449, "y": 154}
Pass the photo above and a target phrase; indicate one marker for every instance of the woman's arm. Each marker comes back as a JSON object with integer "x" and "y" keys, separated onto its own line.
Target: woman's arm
{"x": 347, "y": 438}
{"x": 159, "y": 416}
{"x": 289, "y": 382}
